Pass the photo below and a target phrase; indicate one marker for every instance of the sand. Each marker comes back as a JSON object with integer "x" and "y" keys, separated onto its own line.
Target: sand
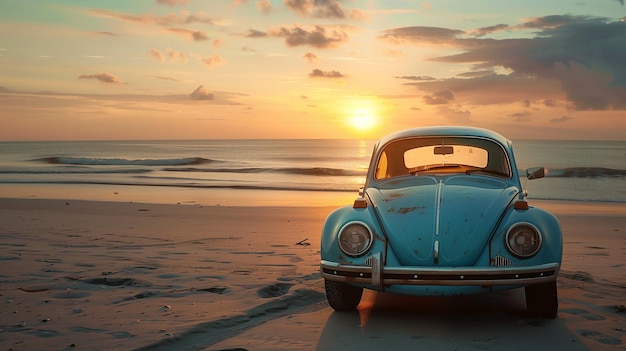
{"x": 104, "y": 275}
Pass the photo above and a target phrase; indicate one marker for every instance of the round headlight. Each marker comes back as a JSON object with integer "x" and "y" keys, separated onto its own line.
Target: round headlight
{"x": 523, "y": 240}
{"x": 355, "y": 239}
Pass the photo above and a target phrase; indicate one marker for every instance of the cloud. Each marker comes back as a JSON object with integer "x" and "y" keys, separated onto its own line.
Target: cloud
{"x": 439, "y": 98}
{"x": 317, "y": 73}
{"x": 317, "y": 8}
{"x": 560, "y": 119}
{"x": 358, "y": 15}
{"x": 488, "y": 30}
{"x": 521, "y": 116}
{"x": 253, "y": 33}
{"x": 495, "y": 89}
{"x": 265, "y": 6}
{"x": 552, "y": 21}
{"x": 550, "y": 103}
{"x": 102, "y": 78}
{"x": 167, "y": 78}
{"x": 175, "y": 56}
{"x": 172, "y": 2}
{"x": 194, "y": 35}
{"x": 584, "y": 55}
{"x": 454, "y": 115}
{"x": 184, "y": 17}
{"x": 422, "y": 35}
{"x": 311, "y": 57}
{"x": 209, "y": 61}
{"x": 201, "y": 93}
{"x": 473, "y": 74}
{"x": 104, "y": 33}
{"x": 417, "y": 78}
{"x": 94, "y": 102}
{"x": 157, "y": 55}
{"x": 318, "y": 37}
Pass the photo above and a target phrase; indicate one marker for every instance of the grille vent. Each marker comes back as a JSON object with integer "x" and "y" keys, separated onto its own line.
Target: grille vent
{"x": 500, "y": 261}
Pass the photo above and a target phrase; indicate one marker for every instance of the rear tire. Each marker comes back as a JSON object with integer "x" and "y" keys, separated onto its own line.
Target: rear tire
{"x": 342, "y": 296}
{"x": 542, "y": 300}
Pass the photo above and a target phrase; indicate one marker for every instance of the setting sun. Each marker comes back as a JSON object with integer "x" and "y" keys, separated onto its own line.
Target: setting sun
{"x": 362, "y": 120}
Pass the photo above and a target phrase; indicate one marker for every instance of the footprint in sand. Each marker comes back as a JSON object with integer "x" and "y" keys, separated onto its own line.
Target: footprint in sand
{"x": 583, "y": 313}
{"x": 274, "y": 290}
{"x": 599, "y": 337}
{"x": 217, "y": 290}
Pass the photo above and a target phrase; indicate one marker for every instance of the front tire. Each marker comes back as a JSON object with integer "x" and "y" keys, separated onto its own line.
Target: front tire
{"x": 342, "y": 296}
{"x": 542, "y": 300}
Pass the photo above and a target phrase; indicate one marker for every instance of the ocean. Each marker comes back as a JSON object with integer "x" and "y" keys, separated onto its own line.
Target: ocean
{"x": 591, "y": 171}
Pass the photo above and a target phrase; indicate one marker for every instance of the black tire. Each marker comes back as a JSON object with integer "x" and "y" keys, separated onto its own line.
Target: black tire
{"x": 342, "y": 296}
{"x": 542, "y": 300}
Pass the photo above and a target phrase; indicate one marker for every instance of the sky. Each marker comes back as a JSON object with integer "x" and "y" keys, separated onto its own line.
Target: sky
{"x": 282, "y": 69}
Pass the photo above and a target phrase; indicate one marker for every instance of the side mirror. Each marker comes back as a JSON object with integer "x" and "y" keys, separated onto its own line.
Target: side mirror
{"x": 535, "y": 173}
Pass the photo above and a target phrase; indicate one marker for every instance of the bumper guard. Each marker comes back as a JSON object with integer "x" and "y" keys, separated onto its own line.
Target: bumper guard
{"x": 377, "y": 275}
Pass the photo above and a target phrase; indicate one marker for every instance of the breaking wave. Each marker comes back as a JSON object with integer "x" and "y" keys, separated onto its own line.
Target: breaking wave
{"x": 584, "y": 172}
{"x": 84, "y": 161}
{"x": 313, "y": 171}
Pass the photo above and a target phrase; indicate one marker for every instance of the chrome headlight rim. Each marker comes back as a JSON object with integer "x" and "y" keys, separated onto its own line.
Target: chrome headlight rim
{"x": 538, "y": 236}
{"x": 368, "y": 243}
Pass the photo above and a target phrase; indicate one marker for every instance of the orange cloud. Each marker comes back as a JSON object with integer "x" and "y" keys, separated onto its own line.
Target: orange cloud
{"x": 104, "y": 78}
{"x": 311, "y": 57}
{"x": 318, "y": 73}
{"x": 194, "y": 35}
{"x": 172, "y": 2}
{"x": 264, "y": 5}
{"x": 209, "y": 61}
{"x": 157, "y": 55}
{"x": 318, "y": 37}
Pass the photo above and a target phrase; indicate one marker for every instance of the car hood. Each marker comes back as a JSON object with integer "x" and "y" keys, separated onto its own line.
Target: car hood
{"x": 458, "y": 212}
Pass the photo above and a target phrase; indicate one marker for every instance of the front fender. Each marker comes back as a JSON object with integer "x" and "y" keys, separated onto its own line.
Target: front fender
{"x": 329, "y": 248}
{"x": 552, "y": 241}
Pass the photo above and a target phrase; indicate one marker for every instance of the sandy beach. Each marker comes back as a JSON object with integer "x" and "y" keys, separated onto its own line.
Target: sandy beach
{"x": 104, "y": 275}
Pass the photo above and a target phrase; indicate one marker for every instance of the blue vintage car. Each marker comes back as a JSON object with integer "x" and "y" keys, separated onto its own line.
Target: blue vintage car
{"x": 442, "y": 212}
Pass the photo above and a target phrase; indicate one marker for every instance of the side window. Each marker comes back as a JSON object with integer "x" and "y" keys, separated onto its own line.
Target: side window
{"x": 381, "y": 169}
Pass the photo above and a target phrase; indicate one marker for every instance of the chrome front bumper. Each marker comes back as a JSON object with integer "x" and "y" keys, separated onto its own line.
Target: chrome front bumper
{"x": 376, "y": 275}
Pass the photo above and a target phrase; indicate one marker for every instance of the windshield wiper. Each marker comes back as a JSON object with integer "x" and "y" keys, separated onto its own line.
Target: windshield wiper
{"x": 487, "y": 171}
{"x": 419, "y": 169}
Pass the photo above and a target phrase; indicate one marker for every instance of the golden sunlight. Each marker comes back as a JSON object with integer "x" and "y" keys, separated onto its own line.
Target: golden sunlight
{"x": 362, "y": 120}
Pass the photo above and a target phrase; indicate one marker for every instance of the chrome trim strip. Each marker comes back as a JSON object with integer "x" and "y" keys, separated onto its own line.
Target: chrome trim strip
{"x": 459, "y": 276}
{"x": 438, "y": 207}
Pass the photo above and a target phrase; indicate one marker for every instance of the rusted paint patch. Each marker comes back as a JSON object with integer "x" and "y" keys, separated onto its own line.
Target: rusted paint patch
{"x": 405, "y": 210}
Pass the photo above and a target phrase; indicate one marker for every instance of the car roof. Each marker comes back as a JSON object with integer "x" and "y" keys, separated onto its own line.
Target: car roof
{"x": 454, "y": 131}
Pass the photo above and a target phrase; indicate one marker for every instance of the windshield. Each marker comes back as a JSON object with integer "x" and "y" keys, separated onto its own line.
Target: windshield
{"x": 439, "y": 155}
